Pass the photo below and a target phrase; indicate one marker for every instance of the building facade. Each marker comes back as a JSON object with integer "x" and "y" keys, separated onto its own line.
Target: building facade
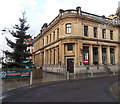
{"x": 77, "y": 41}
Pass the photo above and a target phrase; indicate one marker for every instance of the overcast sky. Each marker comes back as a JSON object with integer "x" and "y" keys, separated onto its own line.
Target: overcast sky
{"x": 44, "y": 11}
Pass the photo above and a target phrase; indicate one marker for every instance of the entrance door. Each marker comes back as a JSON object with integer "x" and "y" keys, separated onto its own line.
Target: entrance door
{"x": 70, "y": 65}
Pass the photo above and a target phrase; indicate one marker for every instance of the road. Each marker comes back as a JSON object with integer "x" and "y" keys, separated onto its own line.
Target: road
{"x": 82, "y": 90}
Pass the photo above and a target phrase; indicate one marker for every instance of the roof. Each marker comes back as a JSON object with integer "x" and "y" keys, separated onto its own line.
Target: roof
{"x": 77, "y": 13}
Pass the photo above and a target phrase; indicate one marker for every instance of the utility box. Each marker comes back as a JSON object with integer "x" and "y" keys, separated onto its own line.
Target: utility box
{"x": 37, "y": 73}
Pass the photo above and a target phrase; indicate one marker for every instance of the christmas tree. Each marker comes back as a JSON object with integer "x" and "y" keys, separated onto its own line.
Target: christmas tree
{"x": 19, "y": 57}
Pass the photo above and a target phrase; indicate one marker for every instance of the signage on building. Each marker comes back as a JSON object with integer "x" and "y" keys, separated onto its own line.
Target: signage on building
{"x": 11, "y": 74}
{"x": 86, "y": 61}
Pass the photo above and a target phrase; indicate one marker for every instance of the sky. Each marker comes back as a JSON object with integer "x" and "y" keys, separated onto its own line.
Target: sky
{"x": 39, "y": 12}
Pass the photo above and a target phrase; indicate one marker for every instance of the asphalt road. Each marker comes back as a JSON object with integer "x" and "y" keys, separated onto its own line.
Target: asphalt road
{"x": 83, "y": 90}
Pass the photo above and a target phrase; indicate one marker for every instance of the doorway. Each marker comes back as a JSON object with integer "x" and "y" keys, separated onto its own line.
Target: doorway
{"x": 70, "y": 65}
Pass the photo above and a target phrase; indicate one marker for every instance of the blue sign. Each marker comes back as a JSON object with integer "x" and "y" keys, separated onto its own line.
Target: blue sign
{"x": 26, "y": 61}
{"x": 27, "y": 67}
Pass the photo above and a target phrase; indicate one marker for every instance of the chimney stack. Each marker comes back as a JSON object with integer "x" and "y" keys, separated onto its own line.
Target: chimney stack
{"x": 61, "y": 11}
{"x": 78, "y": 11}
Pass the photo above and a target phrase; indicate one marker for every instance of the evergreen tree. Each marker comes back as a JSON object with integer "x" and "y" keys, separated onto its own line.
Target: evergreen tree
{"x": 19, "y": 55}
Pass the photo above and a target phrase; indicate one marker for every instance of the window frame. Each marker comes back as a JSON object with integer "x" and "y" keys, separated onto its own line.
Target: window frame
{"x": 86, "y": 30}
{"x": 104, "y": 33}
{"x": 111, "y": 35}
{"x": 47, "y": 39}
{"x": 50, "y": 37}
{"x": 69, "y": 46}
{"x": 68, "y": 28}
{"x": 53, "y": 35}
{"x": 95, "y": 32}
{"x": 58, "y": 33}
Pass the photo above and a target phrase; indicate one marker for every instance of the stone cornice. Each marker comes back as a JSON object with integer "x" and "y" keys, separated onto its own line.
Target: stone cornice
{"x": 78, "y": 38}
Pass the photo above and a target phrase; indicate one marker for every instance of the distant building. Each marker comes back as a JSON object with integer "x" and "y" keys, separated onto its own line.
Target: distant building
{"x": 30, "y": 47}
{"x": 112, "y": 16}
{"x": 76, "y": 41}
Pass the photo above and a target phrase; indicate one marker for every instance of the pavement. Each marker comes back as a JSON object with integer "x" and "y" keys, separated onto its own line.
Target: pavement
{"x": 82, "y": 90}
{"x": 115, "y": 89}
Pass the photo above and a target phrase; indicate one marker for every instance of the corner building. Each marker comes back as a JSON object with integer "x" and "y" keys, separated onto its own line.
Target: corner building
{"x": 77, "y": 41}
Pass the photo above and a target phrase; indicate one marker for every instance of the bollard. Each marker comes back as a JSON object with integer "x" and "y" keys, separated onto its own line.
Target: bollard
{"x": 67, "y": 75}
{"x": 91, "y": 72}
{"x": 114, "y": 73}
{"x": 31, "y": 78}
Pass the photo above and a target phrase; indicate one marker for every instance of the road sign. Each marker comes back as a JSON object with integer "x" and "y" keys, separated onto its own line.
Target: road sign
{"x": 86, "y": 61}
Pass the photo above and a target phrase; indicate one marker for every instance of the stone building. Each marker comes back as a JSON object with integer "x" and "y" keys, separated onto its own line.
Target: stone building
{"x": 77, "y": 41}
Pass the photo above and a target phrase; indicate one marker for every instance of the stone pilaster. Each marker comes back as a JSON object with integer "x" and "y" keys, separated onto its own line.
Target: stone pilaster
{"x": 60, "y": 53}
{"x": 116, "y": 55}
{"x": 108, "y": 55}
{"x": 100, "y": 55}
{"x": 90, "y": 55}
{"x": 79, "y": 52}
{"x": 63, "y": 54}
{"x": 40, "y": 58}
{"x": 45, "y": 57}
{"x": 76, "y": 53}
{"x": 56, "y": 56}
{"x": 52, "y": 57}
{"x": 49, "y": 60}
